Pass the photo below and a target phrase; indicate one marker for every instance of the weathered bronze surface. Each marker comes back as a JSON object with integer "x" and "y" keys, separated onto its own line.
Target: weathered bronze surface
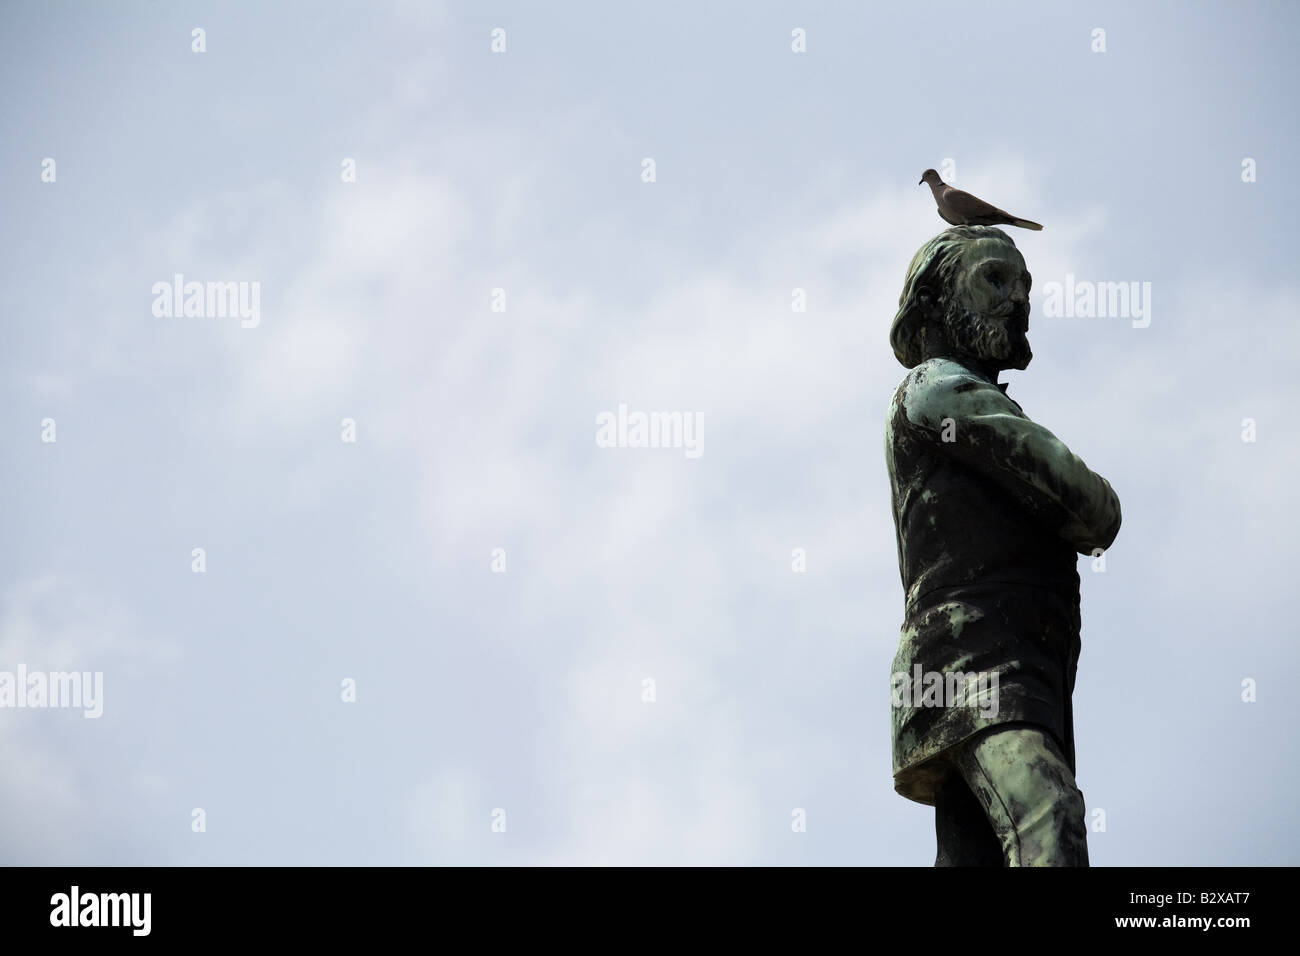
{"x": 990, "y": 511}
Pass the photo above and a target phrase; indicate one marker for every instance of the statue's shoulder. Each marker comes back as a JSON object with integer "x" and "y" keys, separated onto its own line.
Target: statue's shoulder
{"x": 935, "y": 376}
{"x": 927, "y": 394}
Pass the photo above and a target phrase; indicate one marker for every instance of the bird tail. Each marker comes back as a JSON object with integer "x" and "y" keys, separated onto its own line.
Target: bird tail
{"x": 1027, "y": 224}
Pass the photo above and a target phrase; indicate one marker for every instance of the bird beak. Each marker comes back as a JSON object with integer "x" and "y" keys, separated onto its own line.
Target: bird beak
{"x": 919, "y": 181}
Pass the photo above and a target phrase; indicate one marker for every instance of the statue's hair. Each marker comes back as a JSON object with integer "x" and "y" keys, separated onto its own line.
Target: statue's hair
{"x": 933, "y": 267}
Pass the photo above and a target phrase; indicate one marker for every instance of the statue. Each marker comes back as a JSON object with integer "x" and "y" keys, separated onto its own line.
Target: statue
{"x": 990, "y": 510}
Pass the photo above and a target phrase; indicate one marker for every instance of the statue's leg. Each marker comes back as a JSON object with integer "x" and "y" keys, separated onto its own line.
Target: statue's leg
{"x": 962, "y": 829}
{"x": 1025, "y": 785}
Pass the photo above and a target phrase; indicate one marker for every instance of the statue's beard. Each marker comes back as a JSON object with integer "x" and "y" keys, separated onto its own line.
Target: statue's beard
{"x": 996, "y": 339}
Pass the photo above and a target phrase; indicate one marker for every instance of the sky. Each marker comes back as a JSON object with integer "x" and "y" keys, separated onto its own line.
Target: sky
{"x": 461, "y": 630}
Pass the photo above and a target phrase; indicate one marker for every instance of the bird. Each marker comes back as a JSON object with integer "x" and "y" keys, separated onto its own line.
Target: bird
{"x": 962, "y": 209}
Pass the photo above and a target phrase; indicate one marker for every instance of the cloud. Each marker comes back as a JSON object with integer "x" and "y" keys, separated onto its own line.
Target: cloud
{"x": 49, "y": 624}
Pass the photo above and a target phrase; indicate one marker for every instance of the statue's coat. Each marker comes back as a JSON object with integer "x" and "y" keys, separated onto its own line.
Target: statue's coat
{"x": 988, "y": 527}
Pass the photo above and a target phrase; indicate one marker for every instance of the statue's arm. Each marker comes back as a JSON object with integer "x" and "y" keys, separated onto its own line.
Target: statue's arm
{"x": 993, "y": 437}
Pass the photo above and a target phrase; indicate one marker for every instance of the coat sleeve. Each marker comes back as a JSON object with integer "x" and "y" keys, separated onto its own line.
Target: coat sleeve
{"x": 970, "y": 419}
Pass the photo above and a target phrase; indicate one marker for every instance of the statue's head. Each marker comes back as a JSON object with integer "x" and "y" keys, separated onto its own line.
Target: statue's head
{"x": 966, "y": 296}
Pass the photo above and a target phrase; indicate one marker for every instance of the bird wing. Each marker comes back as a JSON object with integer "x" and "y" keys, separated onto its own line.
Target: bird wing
{"x": 970, "y": 208}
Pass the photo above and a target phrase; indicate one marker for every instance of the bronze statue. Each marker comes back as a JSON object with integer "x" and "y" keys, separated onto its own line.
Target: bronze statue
{"x": 990, "y": 510}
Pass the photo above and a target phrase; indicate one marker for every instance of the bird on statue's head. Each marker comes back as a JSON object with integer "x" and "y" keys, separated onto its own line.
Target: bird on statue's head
{"x": 962, "y": 209}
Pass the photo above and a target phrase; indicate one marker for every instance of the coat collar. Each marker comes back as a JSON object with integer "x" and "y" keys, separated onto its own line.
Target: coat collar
{"x": 1002, "y": 386}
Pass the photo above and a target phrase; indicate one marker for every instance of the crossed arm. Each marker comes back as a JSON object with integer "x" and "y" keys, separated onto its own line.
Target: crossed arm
{"x": 971, "y": 420}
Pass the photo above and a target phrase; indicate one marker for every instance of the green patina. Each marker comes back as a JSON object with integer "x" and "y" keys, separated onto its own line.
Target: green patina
{"x": 959, "y": 615}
